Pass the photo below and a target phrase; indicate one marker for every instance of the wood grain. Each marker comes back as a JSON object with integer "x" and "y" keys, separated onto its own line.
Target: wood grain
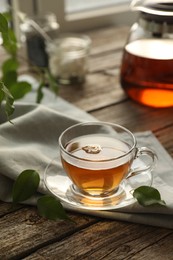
{"x": 135, "y": 116}
{"x": 118, "y": 243}
{"x": 23, "y": 231}
{"x": 92, "y": 96}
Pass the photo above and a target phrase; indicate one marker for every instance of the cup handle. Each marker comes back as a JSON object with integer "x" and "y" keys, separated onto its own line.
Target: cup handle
{"x": 145, "y": 153}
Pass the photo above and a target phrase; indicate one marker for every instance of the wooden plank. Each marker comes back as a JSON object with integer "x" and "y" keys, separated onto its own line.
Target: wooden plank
{"x": 100, "y": 90}
{"x": 165, "y": 136}
{"x": 6, "y": 208}
{"x": 105, "y": 240}
{"x": 136, "y": 117}
{"x": 162, "y": 249}
{"x": 24, "y": 231}
{"x": 105, "y": 62}
{"x": 108, "y": 39}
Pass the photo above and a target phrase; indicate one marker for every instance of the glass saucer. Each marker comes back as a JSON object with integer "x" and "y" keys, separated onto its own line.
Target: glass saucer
{"x": 60, "y": 185}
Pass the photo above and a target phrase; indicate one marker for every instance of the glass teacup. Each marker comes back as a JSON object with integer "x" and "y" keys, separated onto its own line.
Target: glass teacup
{"x": 98, "y": 157}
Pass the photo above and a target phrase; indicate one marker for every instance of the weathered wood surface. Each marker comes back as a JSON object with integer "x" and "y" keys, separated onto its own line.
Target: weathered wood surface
{"x": 24, "y": 235}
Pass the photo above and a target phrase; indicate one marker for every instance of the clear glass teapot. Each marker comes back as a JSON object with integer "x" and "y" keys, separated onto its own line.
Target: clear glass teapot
{"x": 147, "y": 63}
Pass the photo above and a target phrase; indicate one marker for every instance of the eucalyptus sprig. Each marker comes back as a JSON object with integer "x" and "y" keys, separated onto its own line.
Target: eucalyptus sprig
{"x": 10, "y": 87}
{"x": 6, "y": 95}
{"x": 46, "y": 79}
{"x": 26, "y": 186}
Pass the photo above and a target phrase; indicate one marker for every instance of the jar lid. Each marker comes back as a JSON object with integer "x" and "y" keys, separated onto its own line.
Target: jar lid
{"x": 73, "y": 44}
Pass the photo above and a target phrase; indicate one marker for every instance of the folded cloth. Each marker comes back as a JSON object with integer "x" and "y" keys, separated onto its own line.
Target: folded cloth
{"x": 32, "y": 141}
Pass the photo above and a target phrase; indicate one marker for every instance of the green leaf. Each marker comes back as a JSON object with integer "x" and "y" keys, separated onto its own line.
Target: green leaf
{"x": 9, "y": 78}
{"x": 40, "y": 92}
{"x": 5, "y": 94}
{"x": 9, "y": 107}
{"x": 1, "y": 93}
{"x": 147, "y": 196}
{"x": 3, "y": 24}
{"x": 10, "y": 65}
{"x": 20, "y": 89}
{"x": 10, "y": 42}
{"x": 51, "y": 208}
{"x": 25, "y": 185}
{"x": 52, "y": 81}
{"x": 8, "y": 16}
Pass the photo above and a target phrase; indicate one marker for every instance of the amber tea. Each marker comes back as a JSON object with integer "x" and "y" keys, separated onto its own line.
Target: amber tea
{"x": 146, "y": 73}
{"x": 97, "y": 165}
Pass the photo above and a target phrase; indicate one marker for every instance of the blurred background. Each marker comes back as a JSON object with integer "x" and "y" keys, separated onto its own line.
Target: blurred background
{"x": 74, "y": 15}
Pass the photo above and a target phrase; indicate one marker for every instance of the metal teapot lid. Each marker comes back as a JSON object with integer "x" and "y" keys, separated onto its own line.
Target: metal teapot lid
{"x": 159, "y": 10}
{"x": 157, "y": 7}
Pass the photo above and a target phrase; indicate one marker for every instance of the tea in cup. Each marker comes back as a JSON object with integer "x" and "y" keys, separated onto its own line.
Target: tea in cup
{"x": 97, "y": 157}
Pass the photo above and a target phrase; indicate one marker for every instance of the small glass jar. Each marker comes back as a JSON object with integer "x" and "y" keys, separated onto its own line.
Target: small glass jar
{"x": 35, "y": 32}
{"x": 68, "y": 58}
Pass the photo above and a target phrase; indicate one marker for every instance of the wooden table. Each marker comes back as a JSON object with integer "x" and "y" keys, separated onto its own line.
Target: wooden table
{"x": 25, "y": 235}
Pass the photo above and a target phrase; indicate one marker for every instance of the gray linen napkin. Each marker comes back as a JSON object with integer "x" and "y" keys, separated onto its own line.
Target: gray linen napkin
{"x": 32, "y": 142}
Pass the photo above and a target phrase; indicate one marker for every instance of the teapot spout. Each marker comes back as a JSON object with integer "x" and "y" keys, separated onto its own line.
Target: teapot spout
{"x": 136, "y": 4}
